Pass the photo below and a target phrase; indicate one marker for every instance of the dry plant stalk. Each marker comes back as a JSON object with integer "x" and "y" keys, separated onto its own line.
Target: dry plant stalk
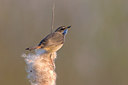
{"x": 41, "y": 68}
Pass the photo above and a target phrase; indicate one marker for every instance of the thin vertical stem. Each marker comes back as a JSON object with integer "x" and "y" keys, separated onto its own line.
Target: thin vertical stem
{"x": 53, "y": 16}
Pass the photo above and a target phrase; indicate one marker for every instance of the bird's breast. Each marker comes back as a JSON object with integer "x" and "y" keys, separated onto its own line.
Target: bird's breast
{"x": 53, "y": 48}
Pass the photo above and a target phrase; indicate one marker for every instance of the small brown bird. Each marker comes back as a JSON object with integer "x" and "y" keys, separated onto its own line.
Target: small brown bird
{"x": 54, "y": 41}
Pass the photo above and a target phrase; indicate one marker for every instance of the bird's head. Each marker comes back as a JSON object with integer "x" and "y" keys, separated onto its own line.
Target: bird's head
{"x": 63, "y": 29}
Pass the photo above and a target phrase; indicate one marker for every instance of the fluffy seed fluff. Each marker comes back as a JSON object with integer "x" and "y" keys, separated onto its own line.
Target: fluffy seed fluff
{"x": 41, "y": 67}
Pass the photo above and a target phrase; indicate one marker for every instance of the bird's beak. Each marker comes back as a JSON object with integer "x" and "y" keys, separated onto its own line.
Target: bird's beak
{"x": 68, "y": 27}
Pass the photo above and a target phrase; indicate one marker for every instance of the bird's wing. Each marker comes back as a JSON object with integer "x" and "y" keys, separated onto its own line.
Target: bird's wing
{"x": 56, "y": 38}
{"x": 43, "y": 41}
{"x": 52, "y": 38}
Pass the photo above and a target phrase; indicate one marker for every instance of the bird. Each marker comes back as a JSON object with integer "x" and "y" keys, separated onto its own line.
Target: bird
{"x": 53, "y": 41}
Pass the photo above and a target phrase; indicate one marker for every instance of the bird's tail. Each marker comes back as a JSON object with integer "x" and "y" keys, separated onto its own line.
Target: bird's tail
{"x": 33, "y": 48}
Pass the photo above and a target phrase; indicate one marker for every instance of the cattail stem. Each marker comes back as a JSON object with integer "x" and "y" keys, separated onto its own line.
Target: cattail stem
{"x": 41, "y": 68}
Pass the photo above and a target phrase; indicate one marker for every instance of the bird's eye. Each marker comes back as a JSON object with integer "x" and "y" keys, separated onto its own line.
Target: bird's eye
{"x": 62, "y": 28}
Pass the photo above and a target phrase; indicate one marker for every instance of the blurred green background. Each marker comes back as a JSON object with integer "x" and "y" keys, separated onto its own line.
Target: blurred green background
{"x": 96, "y": 47}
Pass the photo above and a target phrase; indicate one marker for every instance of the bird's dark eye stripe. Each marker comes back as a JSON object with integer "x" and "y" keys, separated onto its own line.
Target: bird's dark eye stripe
{"x": 62, "y": 29}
